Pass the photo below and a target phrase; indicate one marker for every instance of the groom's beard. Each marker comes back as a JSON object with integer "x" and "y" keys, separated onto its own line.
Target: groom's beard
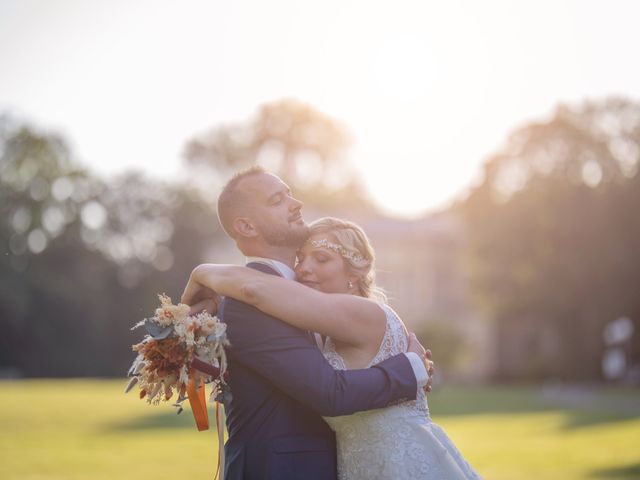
{"x": 293, "y": 237}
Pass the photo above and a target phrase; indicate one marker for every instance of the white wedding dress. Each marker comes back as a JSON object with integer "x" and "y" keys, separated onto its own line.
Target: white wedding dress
{"x": 399, "y": 442}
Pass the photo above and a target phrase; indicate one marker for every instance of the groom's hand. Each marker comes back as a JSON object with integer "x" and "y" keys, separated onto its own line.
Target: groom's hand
{"x": 430, "y": 369}
{"x": 416, "y": 347}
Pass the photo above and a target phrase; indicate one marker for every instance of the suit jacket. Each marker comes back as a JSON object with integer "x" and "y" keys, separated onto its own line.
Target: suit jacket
{"x": 281, "y": 385}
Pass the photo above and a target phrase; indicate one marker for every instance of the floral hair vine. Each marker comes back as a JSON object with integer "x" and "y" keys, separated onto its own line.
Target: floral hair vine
{"x": 354, "y": 257}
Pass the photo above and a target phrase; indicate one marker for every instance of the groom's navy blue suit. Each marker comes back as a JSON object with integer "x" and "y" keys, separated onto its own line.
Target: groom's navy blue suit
{"x": 281, "y": 385}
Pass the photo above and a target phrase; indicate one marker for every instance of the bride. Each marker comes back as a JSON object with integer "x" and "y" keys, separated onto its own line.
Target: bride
{"x": 336, "y": 296}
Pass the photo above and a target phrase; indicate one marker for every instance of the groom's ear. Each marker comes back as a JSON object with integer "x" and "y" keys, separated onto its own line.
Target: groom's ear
{"x": 244, "y": 227}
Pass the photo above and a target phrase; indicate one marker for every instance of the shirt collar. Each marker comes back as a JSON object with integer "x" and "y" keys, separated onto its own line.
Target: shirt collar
{"x": 285, "y": 270}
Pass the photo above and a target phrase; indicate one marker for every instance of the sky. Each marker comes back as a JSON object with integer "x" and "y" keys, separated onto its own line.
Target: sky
{"x": 428, "y": 89}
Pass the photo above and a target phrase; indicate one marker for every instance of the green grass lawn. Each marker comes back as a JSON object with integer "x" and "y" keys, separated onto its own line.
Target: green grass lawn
{"x": 88, "y": 429}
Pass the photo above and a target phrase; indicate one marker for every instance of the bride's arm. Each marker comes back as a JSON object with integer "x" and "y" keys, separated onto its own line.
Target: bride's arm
{"x": 343, "y": 317}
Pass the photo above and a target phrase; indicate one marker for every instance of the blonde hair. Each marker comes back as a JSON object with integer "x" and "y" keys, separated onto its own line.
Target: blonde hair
{"x": 360, "y": 256}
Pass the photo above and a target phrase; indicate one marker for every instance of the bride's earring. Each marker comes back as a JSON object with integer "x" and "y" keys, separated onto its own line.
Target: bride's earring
{"x": 350, "y": 284}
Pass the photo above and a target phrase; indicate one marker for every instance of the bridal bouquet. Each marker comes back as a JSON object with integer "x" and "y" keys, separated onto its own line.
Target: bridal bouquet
{"x": 175, "y": 342}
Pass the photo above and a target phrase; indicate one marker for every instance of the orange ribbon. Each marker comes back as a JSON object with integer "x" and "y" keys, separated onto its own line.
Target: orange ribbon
{"x": 196, "y": 395}
{"x": 220, "y": 427}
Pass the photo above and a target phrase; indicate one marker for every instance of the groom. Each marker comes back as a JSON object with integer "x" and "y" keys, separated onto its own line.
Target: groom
{"x": 280, "y": 382}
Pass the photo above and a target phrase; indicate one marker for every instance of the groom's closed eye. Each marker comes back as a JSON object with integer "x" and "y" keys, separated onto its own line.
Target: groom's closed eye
{"x": 276, "y": 199}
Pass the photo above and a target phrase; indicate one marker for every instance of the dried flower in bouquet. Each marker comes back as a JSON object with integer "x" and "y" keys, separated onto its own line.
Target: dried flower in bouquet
{"x": 173, "y": 341}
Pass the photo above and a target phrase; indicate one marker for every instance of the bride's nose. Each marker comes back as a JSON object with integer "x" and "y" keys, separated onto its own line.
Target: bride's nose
{"x": 303, "y": 268}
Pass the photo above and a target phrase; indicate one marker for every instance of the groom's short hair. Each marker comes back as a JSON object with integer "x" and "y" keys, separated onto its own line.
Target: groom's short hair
{"x": 233, "y": 201}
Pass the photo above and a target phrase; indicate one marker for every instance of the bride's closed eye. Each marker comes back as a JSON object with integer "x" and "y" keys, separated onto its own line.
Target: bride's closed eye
{"x": 321, "y": 257}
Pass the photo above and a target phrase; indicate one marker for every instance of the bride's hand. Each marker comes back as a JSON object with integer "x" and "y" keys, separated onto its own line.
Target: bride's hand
{"x": 199, "y": 297}
{"x": 209, "y": 305}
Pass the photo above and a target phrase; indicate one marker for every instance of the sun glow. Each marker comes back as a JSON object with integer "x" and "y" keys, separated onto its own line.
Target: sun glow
{"x": 427, "y": 89}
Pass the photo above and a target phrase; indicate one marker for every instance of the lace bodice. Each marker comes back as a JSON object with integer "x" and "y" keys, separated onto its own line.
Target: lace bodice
{"x": 398, "y": 442}
{"x": 393, "y": 343}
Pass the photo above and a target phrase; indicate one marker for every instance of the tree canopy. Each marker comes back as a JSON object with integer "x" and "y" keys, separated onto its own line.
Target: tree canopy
{"x": 554, "y": 233}
{"x": 305, "y": 147}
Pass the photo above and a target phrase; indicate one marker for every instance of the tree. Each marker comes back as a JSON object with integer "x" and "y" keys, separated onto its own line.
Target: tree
{"x": 303, "y": 146}
{"x": 82, "y": 260}
{"x": 39, "y": 220}
{"x": 553, "y": 238}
